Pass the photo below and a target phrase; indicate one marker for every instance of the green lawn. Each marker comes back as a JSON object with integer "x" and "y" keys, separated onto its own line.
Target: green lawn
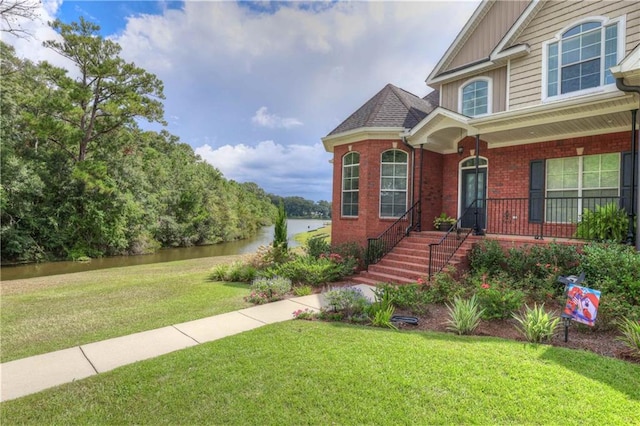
{"x": 300, "y": 372}
{"x": 44, "y": 314}
{"x": 303, "y": 237}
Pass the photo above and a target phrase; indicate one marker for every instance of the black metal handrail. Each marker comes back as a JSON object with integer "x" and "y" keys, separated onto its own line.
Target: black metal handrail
{"x": 550, "y": 217}
{"x": 378, "y": 247}
{"x": 440, "y": 253}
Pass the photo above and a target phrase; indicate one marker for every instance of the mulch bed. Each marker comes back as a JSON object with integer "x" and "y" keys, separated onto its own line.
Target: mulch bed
{"x": 580, "y": 337}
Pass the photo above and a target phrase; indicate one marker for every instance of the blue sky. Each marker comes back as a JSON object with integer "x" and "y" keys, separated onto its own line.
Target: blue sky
{"x": 254, "y": 86}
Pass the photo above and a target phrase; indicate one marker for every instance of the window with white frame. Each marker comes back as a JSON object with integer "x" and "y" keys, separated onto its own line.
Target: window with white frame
{"x": 393, "y": 183}
{"x": 350, "y": 183}
{"x": 580, "y": 183}
{"x": 474, "y": 98}
{"x": 581, "y": 57}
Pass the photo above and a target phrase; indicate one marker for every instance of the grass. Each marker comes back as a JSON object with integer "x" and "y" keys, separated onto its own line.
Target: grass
{"x": 45, "y": 314}
{"x": 303, "y": 237}
{"x": 300, "y": 372}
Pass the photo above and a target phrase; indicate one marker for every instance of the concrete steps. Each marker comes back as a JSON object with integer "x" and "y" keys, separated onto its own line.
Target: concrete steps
{"x": 409, "y": 260}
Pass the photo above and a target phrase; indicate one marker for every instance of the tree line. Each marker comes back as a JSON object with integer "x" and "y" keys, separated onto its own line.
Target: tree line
{"x": 81, "y": 178}
{"x": 298, "y": 207}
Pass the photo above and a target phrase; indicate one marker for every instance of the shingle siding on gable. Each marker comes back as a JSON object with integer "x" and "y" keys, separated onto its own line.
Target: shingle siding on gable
{"x": 450, "y": 91}
{"x": 484, "y": 38}
{"x": 526, "y": 73}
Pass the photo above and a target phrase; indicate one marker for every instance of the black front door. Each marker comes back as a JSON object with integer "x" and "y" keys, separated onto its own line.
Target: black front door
{"x": 469, "y": 195}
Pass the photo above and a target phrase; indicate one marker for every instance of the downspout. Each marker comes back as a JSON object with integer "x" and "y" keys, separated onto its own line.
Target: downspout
{"x": 413, "y": 164}
{"x": 634, "y": 164}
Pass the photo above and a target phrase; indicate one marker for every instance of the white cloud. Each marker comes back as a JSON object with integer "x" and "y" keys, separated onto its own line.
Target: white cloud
{"x": 272, "y": 121}
{"x": 278, "y": 169}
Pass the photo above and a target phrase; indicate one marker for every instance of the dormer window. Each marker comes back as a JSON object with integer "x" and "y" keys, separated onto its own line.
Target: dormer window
{"x": 475, "y": 97}
{"x": 581, "y": 58}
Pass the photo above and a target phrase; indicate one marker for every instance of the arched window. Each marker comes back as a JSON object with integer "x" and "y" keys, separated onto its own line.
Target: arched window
{"x": 581, "y": 57}
{"x": 393, "y": 183}
{"x": 475, "y": 98}
{"x": 350, "y": 183}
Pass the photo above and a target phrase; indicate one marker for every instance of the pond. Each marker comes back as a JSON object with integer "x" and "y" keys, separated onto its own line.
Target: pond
{"x": 249, "y": 245}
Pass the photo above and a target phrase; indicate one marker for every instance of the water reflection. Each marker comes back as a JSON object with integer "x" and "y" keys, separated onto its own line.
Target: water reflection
{"x": 250, "y": 245}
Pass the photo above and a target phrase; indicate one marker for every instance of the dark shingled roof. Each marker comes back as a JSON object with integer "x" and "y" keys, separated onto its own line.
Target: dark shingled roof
{"x": 390, "y": 107}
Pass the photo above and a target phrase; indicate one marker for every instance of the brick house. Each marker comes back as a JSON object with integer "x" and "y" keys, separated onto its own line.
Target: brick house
{"x": 531, "y": 122}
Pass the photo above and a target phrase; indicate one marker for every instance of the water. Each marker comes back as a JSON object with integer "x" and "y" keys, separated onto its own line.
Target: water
{"x": 250, "y": 245}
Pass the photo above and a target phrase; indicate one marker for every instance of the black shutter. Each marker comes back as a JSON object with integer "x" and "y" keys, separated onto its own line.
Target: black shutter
{"x": 536, "y": 191}
{"x": 625, "y": 181}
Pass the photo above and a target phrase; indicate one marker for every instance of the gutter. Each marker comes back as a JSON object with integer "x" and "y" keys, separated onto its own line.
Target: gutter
{"x": 634, "y": 163}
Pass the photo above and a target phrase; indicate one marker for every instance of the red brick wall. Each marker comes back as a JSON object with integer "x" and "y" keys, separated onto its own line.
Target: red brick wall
{"x": 508, "y": 177}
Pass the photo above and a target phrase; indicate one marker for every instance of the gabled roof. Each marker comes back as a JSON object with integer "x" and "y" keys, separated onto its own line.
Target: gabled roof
{"x": 503, "y": 50}
{"x": 391, "y": 107}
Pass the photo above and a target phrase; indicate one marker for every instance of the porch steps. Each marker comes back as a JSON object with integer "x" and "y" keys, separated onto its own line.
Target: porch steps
{"x": 409, "y": 260}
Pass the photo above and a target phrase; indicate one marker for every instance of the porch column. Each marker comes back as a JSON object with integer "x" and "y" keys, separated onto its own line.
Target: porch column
{"x": 476, "y": 227}
{"x": 420, "y": 189}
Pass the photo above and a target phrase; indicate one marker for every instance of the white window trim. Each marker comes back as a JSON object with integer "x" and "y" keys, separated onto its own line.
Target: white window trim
{"x": 406, "y": 191}
{"x": 580, "y": 189}
{"x": 342, "y": 190}
{"x": 604, "y": 21}
{"x": 489, "y": 81}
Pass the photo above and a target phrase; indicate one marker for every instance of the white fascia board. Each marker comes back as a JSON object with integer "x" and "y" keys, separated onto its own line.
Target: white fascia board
{"x": 474, "y": 69}
{"x": 361, "y": 134}
{"x": 471, "y": 24}
{"x": 510, "y": 53}
{"x": 436, "y": 113}
{"x": 630, "y": 64}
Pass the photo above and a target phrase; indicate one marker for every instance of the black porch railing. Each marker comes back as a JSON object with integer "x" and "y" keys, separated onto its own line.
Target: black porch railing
{"x": 378, "y": 247}
{"x": 556, "y": 217}
{"x": 440, "y": 253}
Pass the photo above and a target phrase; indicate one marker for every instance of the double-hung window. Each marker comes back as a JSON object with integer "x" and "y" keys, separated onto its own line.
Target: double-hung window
{"x": 581, "y": 57}
{"x": 578, "y": 183}
{"x": 393, "y": 183}
{"x": 350, "y": 184}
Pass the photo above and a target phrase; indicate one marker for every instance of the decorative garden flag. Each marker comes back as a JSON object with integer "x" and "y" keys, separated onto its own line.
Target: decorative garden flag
{"x": 582, "y": 304}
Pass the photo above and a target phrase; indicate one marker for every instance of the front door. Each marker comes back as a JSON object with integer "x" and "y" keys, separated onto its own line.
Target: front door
{"x": 468, "y": 196}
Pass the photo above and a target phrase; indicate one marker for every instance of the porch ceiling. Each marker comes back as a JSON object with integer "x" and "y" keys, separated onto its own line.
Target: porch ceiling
{"x": 590, "y": 115}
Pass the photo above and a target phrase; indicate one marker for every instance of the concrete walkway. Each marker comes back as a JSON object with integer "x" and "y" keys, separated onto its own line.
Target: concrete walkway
{"x": 30, "y": 375}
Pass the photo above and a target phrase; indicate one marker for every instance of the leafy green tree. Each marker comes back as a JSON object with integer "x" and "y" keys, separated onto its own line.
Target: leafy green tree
{"x": 280, "y": 238}
{"x": 108, "y": 93}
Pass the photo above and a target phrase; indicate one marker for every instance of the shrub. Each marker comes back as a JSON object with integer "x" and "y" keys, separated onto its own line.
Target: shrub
{"x": 498, "y": 300}
{"x": 234, "y": 272}
{"x": 487, "y": 256}
{"x": 536, "y": 324}
{"x": 348, "y": 301}
{"x": 606, "y": 223}
{"x": 443, "y": 288}
{"x": 351, "y": 250}
{"x": 375, "y": 250}
{"x": 413, "y": 297}
{"x": 613, "y": 269}
{"x": 267, "y": 256}
{"x": 464, "y": 315}
{"x": 317, "y": 246}
{"x": 308, "y": 270}
{"x": 264, "y": 290}
{"x": 630, "y": 330}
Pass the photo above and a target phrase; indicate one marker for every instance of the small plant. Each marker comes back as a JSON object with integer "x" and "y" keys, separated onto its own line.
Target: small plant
{"x": 464, "y": 315}
{"x": 382, "y": 317}
{"x": 444, "y": 222}
{"x": 443, "y": 287}
{"x": 536, "y": 324}
{"x": 346, "y": 300}
{"x": 302, "y": 290}
{"x": 381, "y": 311}
{"x": 307, "y": 314}
{"x": 264, "y": 290}
{"x": 414, "y": 297}
{"x": 605, "y": 223}
{"x": 630, "y": 330}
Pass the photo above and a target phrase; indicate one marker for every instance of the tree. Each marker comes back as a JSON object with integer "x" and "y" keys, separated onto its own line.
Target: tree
{"x": 108, "y": 94}
{"x": 280, "y": 238}
{"x": 14, "y": 11}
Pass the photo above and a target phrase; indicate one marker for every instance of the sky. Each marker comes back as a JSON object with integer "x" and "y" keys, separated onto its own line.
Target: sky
{"x": 254, "y": 86}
